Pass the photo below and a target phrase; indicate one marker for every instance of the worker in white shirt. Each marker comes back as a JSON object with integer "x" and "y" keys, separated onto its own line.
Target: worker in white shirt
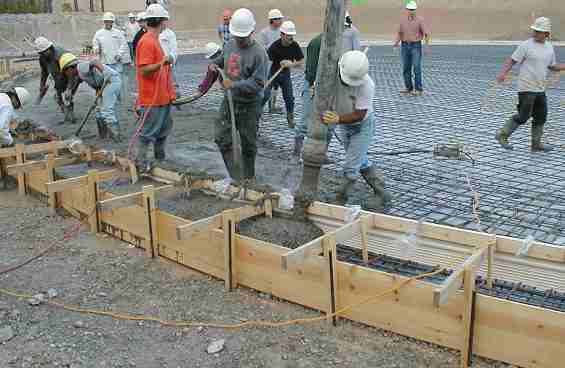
{"x": 11, "y": 100}
{"x": 110, "y": 46}
{"x": 131, "y": 30}
{"x": 267, "y": 37}
{"x": 169, "y": 44}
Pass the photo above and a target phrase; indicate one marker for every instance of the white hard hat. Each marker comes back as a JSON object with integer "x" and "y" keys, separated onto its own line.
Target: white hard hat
{"x": 412, "y": 5}
{"x": 140, "y": 16}
{"x": 542, "y": 24}
{"x": 42, "y": 44}
{"x": 353, "y": 68}
{"x": 131, "y": 15}
{"x": 23, "y": 96}
{"x": 156, "y": 11}
{"x": 109, "y": 17}
{"x": 275, "y": 14}
{"x": 288, "y": 28}
{"x": 242, "y": 23}
{"x": 211, "y": 49}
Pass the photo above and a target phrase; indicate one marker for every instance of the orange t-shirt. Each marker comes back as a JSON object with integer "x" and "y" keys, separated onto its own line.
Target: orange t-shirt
{"x": 156, "y": 89}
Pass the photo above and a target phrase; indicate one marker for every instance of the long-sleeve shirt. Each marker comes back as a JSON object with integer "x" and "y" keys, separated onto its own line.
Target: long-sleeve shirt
{"x": 168, "y": 40}
{"x": 7, "y": 114}
{"x": 111, "y": 47}
{"x": 131, "y": 30}
{"x": 269, "y": 35}
{"x": 247, "y": 68}
{"x": 312, "y": 57}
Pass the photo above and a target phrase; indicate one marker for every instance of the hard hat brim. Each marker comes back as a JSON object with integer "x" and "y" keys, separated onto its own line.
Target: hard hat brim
{"x": 240, "y": 34}
{"x": 349, "y": 81}
{"x": 538, "y": 29}
{"x": 289, "y": 33}
{"x": 210, "y": 54}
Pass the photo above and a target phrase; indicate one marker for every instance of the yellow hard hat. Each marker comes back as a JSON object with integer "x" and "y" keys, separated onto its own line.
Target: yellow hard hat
{"x": 67, "y": 60}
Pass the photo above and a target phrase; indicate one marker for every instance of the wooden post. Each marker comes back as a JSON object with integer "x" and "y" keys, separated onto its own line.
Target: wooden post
{"x": 269, "y": 208}
{"x": 365, "y": 239}
{"x": 228, "y": 225}
{"x": 468, "y": 315}
{"x": 93, "y": 200}
{"x": 50, "y": 179}
{"x": 490, "y": 262}
{"x": 20, "y": 158}
{"x": 151, "y": 240}
{"x": 330, "y": 252}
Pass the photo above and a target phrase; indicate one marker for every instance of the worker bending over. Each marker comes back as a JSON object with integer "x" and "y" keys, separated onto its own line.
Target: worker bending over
{"x": 244, "y": 61}
{"x": 49, "y": 57}
{"x": 355, "y": 118}
{"x": 156, "y": 90}
{"x": 285, "y": 54}
{"x": 104, "y": 80}
{"x": 11, "y": 100}
{"x": 536, "y": 57}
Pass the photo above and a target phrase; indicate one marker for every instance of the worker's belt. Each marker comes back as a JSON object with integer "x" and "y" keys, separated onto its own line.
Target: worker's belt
{"x": 412, "y": 43}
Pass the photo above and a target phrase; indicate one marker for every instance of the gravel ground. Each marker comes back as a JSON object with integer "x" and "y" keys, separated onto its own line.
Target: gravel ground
{"x": 106, "y": 274}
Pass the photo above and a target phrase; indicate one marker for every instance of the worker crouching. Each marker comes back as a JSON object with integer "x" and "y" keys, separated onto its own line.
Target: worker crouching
{"x": 356, "y": 122}
{"x": 11, "y": 100}
{"x": 106, "y": 82}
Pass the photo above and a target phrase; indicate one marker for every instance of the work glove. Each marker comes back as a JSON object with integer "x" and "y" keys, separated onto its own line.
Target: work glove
{"x": 286, "y": 64}
{"x": 330, "y": 117}
{"x": 228, "y": 84}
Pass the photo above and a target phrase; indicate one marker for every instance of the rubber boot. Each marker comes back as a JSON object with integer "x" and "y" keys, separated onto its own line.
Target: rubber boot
{"x": 248, "y": 167}
{"x": 376, "y": 182}
{"x": 102, "y": 131}
{"x": 70, "y": 114}
{"x": 298, "y": 145}
{"x": 113, "y": 132}
{"x": 505, "y": 132}
{"x": 346, "y": 191}
{"x": 290, "y": 120}
{"x": 142, "y": 161}
{"x": 159, "y": 149}
{"x": 537, "y": 145}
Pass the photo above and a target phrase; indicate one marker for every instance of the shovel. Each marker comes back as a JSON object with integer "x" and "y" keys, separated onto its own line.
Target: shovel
{"x": 236, "y": 142}
{"x": 96, "y": 101}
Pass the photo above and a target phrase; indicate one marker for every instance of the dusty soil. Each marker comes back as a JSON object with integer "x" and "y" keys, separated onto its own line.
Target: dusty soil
{"x": 105, "y": 274}
{"x": 280, "y": 231}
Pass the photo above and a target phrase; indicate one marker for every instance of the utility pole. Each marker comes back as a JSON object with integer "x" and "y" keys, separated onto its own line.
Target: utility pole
{"x": 327, "y": 79}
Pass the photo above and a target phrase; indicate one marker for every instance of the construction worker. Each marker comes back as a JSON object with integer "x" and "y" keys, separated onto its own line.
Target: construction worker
{"x": 351, "y": 35}
{"x": 168, "y": 40}
{"x": 355, "y": 119}
{"x": 536, "y": 57}
{"x": 156, "y": 90}
{"x": 11, "y": 100}
{"x": 224, "y": 28}
{"x": 411, "y": 32}
{"x": 140, "y": 33}
{"x": 98, "y": 77}
{"x": 244, "y": 61}
{"x": 267, "y": 36}
{"x": 49, "y": 55}
{"x": 110, "y": 45}
{"x": 131, "y": 30}
{"x": 285, "y": 54}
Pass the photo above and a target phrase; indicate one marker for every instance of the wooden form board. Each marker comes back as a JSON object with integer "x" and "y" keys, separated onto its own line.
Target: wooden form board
{"x": 506, "y": 331}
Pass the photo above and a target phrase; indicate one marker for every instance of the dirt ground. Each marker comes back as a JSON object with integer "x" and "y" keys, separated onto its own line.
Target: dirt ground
{"x": 105, "y": 274}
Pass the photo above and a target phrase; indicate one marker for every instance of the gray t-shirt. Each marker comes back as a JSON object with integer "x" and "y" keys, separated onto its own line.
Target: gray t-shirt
{"x": 269, "y": 35}
{"x": 535, "y": 59}
{"x": 247, "y": 68}
{"x": 351, "y": 39}
{"x": 92, "y": 76}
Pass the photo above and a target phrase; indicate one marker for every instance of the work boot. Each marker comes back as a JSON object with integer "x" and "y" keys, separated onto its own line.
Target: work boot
{"x": 298, "y": 144}
{"x": 346, "y": 191}
{"x": 113, "y": 133}
{"x": 102, "y": 130}
{"x": 290, "y": 120}
{"x": 537, "y": 145}
{"x": 376, "y": 182}
{"x": 248, "y": 167}
{"x": 142, "y": 161}
{"x": 70, "y": 114}
{"x": 505, "y": 132}
{"x": 159, "y": 149}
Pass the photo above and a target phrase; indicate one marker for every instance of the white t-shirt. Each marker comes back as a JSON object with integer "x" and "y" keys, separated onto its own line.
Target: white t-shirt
{"x": 168, "y": 41}
{"x": 534, "y": 58}
{"x": 356, "y": 98}
{"x": 111, "y": 46}
{"x": 7, "y": 114}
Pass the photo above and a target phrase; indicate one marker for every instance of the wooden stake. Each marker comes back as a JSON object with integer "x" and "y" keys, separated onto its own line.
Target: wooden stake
{"x": 21, "y": 177}
{"x": 228, "y": 225}
{"x": 468, "y": 315}
{"x": 490, "y": 262}
{"x": 330, "y": 252}
{"x": 269, "y": 208}
{"x": 50, "y": 179}
{"x": 93, "y": 199}
{"x": 151, "y": 241}
{"x": 365, "y": 239}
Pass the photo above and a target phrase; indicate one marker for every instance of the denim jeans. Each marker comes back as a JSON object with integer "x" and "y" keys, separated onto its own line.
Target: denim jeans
{"x": 356, "y": 139}
{"x": 412, "y": 59}
{"x": 301, "y": 128}
{"x": 282, "y": 80}
{"x": 107, "y": 110}
{"x": 158, "y": 124}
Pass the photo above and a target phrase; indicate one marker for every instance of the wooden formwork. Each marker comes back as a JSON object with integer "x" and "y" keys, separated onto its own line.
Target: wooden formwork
{"x": 452, "y": 314}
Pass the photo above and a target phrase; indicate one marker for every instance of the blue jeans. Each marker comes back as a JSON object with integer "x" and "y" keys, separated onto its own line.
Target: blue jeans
{"x": 131, "y": 54}
{"x": 158, "y": 124}
{"x": 282, "y": 80}
{"x": 301, "y": 128}
{"x": 412, "y": 59}
{"x": 110, "y": 96}
{"x": 356, "y": 139}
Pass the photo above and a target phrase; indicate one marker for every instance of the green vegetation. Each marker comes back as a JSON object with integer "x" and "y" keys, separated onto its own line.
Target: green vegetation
{"x": 22, "y": 6}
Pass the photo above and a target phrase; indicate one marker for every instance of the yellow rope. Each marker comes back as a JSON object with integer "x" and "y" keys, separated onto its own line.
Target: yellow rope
{"x": 129, "y": 317}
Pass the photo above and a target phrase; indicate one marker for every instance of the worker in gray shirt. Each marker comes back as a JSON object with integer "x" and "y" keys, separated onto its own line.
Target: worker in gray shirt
{"x": 351, "y": 35}
{"x": 244, "y": 61}
{"x": 267, "y": 37}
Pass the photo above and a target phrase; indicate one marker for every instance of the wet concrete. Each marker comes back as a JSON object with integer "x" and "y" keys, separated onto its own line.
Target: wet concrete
{"x": 197, "y": 206}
